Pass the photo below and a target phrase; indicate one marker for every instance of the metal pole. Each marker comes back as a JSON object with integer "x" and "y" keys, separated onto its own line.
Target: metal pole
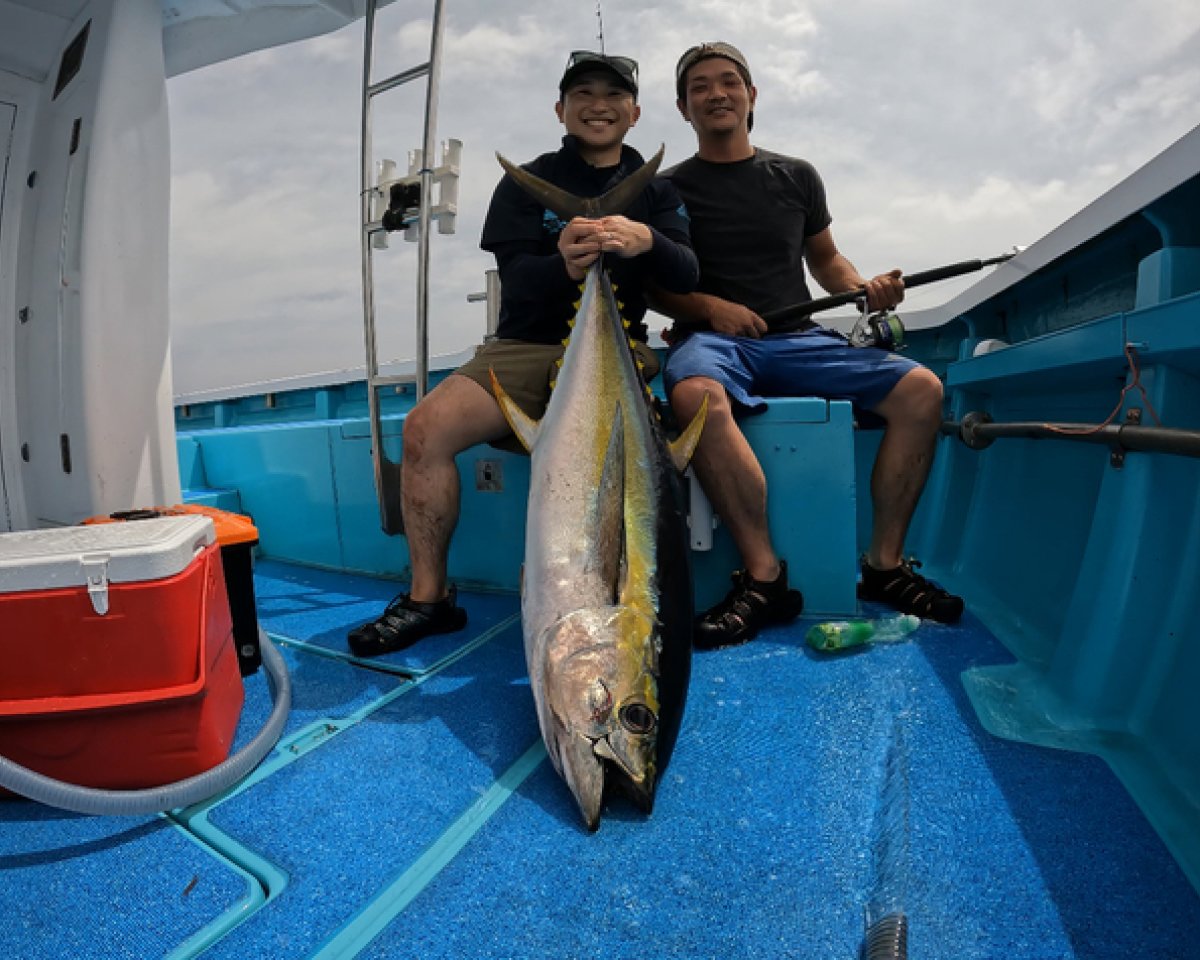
{"x": 491, "y": 300}
{"x": 387, "y": 473}
{"x": 365, "y": 194}
{"x": 427, "y": 162}
{"x": 977, "y": 431}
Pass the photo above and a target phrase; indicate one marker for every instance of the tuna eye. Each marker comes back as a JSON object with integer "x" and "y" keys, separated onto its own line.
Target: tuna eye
{"x": 637, "y": 718}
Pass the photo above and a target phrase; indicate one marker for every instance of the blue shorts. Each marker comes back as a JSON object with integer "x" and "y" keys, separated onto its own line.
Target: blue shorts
{"x": 812, "y": 363}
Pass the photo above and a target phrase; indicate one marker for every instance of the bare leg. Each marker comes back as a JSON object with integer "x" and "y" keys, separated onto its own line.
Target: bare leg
{"x": 913, "y": 411}
{"x": 455, "y": 415}
{"x": 729, "y": 473}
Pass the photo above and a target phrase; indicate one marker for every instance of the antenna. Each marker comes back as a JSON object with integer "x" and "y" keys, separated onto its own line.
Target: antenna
{"x": 600, "y": 22}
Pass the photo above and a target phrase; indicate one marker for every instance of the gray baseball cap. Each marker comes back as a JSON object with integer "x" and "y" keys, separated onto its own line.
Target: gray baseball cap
{"x": 703, "y": 51}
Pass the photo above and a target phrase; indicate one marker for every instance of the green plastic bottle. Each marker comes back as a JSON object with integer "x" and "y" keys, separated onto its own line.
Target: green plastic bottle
{"x": 843, "y": 634}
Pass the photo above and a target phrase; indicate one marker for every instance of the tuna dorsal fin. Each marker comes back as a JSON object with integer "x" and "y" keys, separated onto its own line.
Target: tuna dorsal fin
{"x": 523, "y": 425}
{"x": 683, "y": 446}
{"x": 568, "y": 206}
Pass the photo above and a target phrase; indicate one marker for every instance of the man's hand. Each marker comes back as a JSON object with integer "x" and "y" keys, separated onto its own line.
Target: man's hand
{"x": 579, "y": 243}
{"x": 704, "y": 311}
{"x": 583, "y": 240}
{"x": 724, "y": 316}
{"x": 624, "y": 237}
{"x": 885, "y": 291}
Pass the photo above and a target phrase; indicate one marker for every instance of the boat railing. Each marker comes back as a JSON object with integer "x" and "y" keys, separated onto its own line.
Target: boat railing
{"x": 978, "y": 431}
{"x": 490, "y": 295}
{"x": 420, "y": 183}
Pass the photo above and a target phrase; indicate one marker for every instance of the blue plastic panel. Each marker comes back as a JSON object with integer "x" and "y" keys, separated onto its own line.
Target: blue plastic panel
{"x": 1057, "y": 361}
{"x": 1169, "y": 333}
{"x": 806, "y": 448}
{"x": 286, "y": 483}
{"x": 191, "y": 463}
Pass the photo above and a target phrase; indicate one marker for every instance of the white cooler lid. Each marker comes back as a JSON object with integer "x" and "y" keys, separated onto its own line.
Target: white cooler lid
{"x": 98, "y": 554}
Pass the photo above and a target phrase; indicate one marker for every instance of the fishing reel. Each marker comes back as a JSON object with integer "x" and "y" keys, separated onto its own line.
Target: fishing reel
{"x": 882, "y": 329}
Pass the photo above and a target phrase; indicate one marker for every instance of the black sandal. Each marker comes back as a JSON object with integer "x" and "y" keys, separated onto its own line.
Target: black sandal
{"x": 909, "y": 592}
{"x": 749, "y": 606}
{"x": 404, "y": 622}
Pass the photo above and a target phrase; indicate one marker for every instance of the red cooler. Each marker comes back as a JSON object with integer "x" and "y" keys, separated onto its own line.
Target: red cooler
{"x": 117, "y": 662}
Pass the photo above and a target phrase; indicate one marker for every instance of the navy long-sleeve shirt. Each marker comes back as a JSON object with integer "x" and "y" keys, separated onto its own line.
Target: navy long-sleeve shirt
{"x": 537, "y": 295}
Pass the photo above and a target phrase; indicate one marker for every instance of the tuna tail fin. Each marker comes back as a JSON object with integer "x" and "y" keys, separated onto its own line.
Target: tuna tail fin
{"x": 523, "y": 425}
{"x": 683, "y": 446}
{"x": 569, "y": 206}
{"x": 620, "y": 197}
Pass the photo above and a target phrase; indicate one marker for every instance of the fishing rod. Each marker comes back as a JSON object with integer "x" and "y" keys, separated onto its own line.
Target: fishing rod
{"x": 910, "y": 280}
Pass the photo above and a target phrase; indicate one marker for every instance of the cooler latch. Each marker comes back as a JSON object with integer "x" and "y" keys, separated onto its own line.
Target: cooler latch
{"x": 95, "y": 569}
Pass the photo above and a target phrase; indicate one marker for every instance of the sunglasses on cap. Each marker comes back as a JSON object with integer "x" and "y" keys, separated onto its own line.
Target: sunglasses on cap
{"x": 579, "y": 60}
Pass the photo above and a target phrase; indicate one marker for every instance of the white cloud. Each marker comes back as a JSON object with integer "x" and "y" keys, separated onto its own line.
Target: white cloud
{"x": 1153, "y": 98}
{"x": 492, "y": 49}
{"x": 944, "y": 131}
{"x": 342, "y": 47}
{"x": 994, "y": 199}
{"x": 1058, "y": 84}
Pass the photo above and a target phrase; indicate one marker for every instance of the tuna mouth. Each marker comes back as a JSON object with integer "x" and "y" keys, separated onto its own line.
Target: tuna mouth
{"x": 639, "y": 790}
{"x": 603, "y": 749}
{"x": 638, "y": 787}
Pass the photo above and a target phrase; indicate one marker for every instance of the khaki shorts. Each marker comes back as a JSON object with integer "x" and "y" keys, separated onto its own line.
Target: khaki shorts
{"x": 525, "y": 370}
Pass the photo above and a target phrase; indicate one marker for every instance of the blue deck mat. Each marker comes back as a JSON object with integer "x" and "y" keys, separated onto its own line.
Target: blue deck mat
{"x": 73, "y": 886}
{"x": 323, "y": 688}
{"x": 344, "y": 817}
{"x": 759, "y": 845}
{"x": 319, "y": 607}
{"x": 78, "y": 886}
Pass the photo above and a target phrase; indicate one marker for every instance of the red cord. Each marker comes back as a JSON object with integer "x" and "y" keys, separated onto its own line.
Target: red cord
{"x": 1131, "y": 358}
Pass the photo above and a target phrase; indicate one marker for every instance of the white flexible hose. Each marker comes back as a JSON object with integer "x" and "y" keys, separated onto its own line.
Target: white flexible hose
{"x": 183, "y": 793}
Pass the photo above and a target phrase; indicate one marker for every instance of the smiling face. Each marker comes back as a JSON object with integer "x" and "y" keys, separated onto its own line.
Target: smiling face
{"x": 717, "y": 101}
{"x": 598, "y": 111}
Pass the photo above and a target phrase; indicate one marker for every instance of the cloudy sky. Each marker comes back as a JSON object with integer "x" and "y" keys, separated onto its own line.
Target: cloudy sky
{"x": 944, "y": 129}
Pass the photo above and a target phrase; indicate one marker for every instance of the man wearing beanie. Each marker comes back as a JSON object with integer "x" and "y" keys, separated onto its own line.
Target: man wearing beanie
{"x": 757, "y": 219}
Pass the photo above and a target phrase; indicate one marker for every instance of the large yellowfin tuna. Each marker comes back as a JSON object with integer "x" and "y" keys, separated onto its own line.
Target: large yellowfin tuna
{"x": 606, "y": 595}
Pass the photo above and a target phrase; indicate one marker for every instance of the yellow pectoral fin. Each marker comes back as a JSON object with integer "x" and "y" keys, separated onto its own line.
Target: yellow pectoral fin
{"x": 523, "y": 425}
{"x": 683, "y": 446}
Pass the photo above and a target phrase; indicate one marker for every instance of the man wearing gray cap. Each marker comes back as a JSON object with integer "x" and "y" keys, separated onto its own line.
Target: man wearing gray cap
{"x": 541, "y": 261}
{"x": 757, "y": 219}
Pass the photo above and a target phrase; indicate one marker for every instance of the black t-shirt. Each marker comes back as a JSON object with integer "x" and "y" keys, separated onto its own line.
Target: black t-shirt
{"x": 749, "y": 223}
{"x": 537, "y": 297}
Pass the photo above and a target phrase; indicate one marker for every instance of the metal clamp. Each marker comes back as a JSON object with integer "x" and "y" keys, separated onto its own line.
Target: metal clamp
{"x": 95, "y": 571}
